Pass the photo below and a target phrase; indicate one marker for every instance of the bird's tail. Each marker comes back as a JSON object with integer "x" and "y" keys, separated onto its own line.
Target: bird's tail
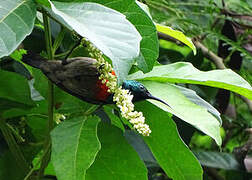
{"x": 32, "y": 59}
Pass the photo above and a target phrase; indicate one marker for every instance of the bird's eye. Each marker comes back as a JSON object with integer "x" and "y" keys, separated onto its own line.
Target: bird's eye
{"x": 141, "y": 87}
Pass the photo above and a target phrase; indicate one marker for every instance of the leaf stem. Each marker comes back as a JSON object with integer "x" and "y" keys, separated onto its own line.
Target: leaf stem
{"x": 49, "y": 48}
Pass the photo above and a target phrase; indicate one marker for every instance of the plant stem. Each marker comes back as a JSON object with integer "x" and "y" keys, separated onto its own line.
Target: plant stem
{"x": 49, "y": 48}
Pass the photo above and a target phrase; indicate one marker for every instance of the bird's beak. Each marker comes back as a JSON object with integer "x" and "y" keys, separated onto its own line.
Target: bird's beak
{"x": 157, "y": 99}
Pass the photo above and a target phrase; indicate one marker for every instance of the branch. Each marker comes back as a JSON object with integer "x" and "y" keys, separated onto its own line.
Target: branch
{"x": 49, "y": 47}
{"x": 169, "y": 38}
{"x": 236, "y": 15}
{"x": 246, "y": 100}
{"x": 218, "y": 61}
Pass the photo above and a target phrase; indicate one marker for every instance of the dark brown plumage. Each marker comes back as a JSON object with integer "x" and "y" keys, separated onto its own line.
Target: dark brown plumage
{"x": 77, "y": 76}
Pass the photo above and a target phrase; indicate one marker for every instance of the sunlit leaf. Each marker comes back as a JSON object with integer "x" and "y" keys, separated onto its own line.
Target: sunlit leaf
{"x": 185, "y": 73}
{"x": 106, "y": 28}
{"x": 193, "y": 97}
{"x": 15, "y": 25}
{"x": 149, "y": 46}
{"x": 176, "y": 35}
{"x": 183, "y": 108}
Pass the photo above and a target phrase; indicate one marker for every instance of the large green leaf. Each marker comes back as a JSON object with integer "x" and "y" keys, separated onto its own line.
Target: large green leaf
{"x": 106, "y": 28}
{"x": 193, "y": 97}
{"x": 143, "y": 23}
{"x": 183, "y": 108}
{"x": 185, "y": 73}
{"x": 169, "y": 150}
{"x": 74, "y": 147}
{"x": 16, "y": 22}
{"x": 117, "y": 159}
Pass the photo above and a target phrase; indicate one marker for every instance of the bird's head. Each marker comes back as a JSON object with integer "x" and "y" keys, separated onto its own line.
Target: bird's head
{"x": 139, "y": 92}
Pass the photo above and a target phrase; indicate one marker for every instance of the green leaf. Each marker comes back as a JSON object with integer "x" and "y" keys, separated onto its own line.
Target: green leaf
{"x": 169, "y": 150}
{"x": 193, "y": 97}
{"x": 183, "y": 108}
{"x": 185, "y": 73}
{"x": 149, "y": 48}
{"x": 106, "y": 28}
{"x": 14, "y": 91}
{"x": 217, "y": 160}
{"x": 149, "y": 45}
{"x": 16, "y": 22}
{"x": 176, "y": 35}
{"x": 74, "y": 147}
{"x": 117, "y": 159}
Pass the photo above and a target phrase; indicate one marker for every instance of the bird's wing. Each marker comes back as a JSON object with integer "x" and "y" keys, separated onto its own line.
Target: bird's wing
{"x": 78, "y": 77}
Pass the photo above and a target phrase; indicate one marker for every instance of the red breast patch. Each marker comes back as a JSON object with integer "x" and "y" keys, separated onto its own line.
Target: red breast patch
{"x": 102, "y": 93}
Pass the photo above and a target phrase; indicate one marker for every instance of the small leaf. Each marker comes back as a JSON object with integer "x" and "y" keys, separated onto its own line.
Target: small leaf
{"x": 176, "y": 35}
{"x": 117, "y": 159}
{"x": 168, "y": 149}
{"x": 74, "y": 147}
{"x": 106, "y": 28}
{"x": 185, "y": 73}
{"x": 16, "y": 22}
{"x": 183, "y": 108}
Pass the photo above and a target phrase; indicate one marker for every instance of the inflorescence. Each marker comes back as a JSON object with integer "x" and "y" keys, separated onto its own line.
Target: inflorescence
{"x": 122, "y": 97}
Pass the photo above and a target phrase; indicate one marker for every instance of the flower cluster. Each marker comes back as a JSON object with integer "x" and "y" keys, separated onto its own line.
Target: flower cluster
{"x": 123, "y": 100}
{"x": 122, "y": 97}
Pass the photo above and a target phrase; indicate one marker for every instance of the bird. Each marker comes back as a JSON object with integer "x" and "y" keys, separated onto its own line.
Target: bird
{"x": 79, "y": 77}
